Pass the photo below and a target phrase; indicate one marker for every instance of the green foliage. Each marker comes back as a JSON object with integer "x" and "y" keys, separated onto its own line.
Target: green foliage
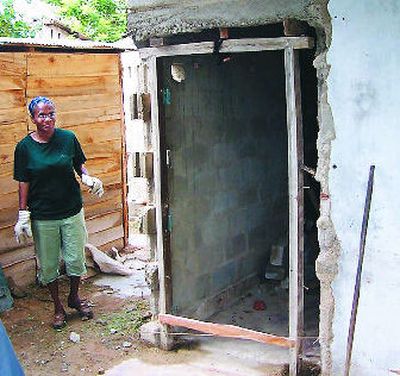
{"x": 128, "y": 321}
{"x": 101, "y": 20}
{"x": 11, "y": 23}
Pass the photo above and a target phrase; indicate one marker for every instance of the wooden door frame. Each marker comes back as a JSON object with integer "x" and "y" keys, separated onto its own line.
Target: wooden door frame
{"x": 290, "y": 46}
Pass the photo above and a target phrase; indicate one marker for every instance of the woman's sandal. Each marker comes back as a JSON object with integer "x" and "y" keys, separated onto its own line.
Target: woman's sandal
{"x": 59, "y": 320}
{"x": 83, "y": 309}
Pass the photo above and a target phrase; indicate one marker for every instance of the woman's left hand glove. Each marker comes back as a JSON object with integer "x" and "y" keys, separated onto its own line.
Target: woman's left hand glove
{"x": 22, "y": 229}
{"x": 95, "y": 184}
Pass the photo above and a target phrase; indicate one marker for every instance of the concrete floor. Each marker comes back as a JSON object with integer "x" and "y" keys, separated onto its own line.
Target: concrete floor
{"x": 206, "y": 355}
{"x": 210, "y": 356}
{"x": 274, "y": 319}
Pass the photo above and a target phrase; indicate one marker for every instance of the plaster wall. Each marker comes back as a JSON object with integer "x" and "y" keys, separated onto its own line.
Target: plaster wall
{"x": 226, "y": 129}
{"x": 148, "y": 18}
{"x": 364, "y": 96}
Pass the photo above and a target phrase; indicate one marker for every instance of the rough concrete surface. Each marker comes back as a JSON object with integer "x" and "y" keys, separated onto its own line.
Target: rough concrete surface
{"x": 210, "y": 356}
{"x": 162, "y": 18}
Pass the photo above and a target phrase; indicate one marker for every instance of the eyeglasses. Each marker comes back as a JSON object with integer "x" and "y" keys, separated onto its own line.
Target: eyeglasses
{"x": 51, "y": 115}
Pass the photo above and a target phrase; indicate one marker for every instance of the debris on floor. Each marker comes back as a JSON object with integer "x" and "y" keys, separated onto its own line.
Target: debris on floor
{"x": 107, "y": 264}
{"x": 132, "y": 285}
{"x": 74, "y": 337}
{"x": 259, "y": 305}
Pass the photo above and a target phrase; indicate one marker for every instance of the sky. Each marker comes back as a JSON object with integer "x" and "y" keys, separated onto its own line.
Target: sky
{"x": 34, "y": 9}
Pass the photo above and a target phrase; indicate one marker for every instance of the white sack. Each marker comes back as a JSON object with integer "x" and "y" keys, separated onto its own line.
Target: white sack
{"x": 106, "y": 264}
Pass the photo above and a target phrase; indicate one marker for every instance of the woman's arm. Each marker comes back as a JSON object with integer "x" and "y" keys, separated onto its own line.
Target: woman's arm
{"x": 22, "y": 228}
{"x": 23, "y": 189}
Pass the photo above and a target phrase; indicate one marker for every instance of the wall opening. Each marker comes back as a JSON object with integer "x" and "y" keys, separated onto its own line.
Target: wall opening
{"x": 225, "y": 187}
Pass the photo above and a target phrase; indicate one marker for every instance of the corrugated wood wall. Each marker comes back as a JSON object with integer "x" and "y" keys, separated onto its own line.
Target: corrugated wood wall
{"x": 87, "y": 92}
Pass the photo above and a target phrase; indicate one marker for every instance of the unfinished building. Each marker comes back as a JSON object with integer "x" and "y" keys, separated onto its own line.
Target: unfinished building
{"x": 253, "y": 168}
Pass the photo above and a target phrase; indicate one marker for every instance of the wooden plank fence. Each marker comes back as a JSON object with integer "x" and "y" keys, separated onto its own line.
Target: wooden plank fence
{"x": 86, "y": 89}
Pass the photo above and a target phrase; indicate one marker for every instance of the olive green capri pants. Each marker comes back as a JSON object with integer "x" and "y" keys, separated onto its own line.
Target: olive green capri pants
{"x": 60, "y": 238}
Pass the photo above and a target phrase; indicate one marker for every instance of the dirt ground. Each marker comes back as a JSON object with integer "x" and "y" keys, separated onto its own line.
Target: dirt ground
{"x": 108, "y": 339}
{"x": 109, "y": 344}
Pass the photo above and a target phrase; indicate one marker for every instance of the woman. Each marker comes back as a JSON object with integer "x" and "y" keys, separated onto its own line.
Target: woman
{"x": 50, "y": 203}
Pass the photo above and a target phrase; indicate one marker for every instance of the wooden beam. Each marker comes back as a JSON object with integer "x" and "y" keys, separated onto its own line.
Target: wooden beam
{"x": 296, "y": 206}
{"x": 222, "y": 330}
{"x": 178, "y": 49}
{"x": 164, "y": 302}
{"x": 266, "y": 44}
{"x": 230, "y": 45}
{"x": 124, "y": 162}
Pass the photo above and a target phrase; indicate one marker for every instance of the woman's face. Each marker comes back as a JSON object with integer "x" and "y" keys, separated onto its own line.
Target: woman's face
{"x": 44, "y": 117}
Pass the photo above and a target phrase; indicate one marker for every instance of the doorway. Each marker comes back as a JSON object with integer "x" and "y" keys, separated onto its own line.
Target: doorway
{"x": 225, "y": 188}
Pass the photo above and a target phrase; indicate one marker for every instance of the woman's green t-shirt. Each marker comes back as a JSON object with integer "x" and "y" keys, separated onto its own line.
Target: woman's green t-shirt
{"x": 54, "y": 192}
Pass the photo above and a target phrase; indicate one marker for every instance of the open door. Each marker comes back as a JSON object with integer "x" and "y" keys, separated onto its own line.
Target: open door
{"x": 198, "y": 149}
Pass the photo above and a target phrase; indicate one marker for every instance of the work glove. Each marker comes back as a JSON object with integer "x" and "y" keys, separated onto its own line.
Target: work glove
{"x": 95, "y": 185}
{"x": 22, "y": 229}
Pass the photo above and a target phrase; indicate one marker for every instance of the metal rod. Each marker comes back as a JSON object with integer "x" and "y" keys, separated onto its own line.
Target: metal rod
{"x": 357, "y": 285}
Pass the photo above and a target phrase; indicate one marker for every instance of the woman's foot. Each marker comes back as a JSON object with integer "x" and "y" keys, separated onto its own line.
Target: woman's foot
{"x": 82, "y": 307}
{"x": 59, "y": 320}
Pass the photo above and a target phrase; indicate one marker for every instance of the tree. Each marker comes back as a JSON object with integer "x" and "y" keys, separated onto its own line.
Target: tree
{"x": 11, "y": 23}
{"x": 102, "y": 20}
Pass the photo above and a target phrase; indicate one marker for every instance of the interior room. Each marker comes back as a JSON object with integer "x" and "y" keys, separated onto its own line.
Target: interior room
{"x": 225, "y": 187}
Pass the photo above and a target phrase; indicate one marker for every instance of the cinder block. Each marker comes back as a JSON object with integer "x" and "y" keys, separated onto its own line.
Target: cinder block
{"x": 150, "y": 219}
{"x": 148, "y": 165}
{"x": 143, "y": 165}
{"x": 257, "y": 238}
{"x": 146, "y": 107}
{"x": 236, "y": 246}
{"x": 224, "y": 276}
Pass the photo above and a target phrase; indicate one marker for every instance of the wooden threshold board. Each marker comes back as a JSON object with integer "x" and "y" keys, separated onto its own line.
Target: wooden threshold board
{"x": 223, "y": 330}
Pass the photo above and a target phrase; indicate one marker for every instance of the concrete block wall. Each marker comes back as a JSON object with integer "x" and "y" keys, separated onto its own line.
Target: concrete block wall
{"x": 138, "y": 154}
{"x": 226, "y": 129}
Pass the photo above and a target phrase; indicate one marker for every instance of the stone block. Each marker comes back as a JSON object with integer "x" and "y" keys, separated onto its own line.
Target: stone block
{"x": 154, "y": 333}
{"x": 150, "y": 333}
